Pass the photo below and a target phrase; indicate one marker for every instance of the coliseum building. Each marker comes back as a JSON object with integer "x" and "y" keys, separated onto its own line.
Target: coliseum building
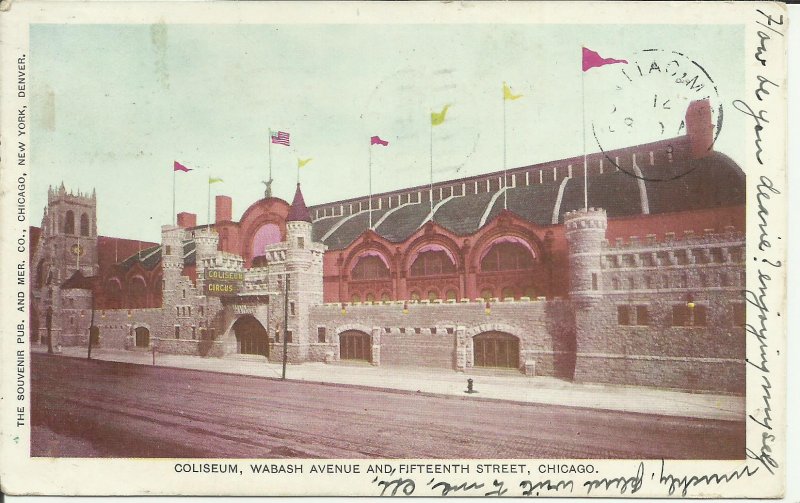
{"x": 505, "y": 270}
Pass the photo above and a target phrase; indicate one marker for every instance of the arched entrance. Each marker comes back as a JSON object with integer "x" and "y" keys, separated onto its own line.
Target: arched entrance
{"x": 142, "y": 337}
{"x": 251, "y": 336}
{"x": 354, "y": 345}
{"x": 496, "y": 349}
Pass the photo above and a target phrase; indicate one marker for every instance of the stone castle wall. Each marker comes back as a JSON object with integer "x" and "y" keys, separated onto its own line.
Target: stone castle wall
{"x": 667, "y": 314}
{"x": 440, "y": 335}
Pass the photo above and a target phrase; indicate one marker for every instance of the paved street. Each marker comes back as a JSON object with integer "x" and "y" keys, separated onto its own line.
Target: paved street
{"x": 99, "y": 408}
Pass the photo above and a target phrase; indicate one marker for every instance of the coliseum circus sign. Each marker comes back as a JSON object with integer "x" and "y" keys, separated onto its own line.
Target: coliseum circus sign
{"x": 223, "y": 283}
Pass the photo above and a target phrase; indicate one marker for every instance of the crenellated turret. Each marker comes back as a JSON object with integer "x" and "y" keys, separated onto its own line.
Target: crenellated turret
{"x": 585, "y": 233}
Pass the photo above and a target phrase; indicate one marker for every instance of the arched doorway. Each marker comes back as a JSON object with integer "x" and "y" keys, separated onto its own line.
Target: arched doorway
{"x": 496, "y": 349}
{"x": 142, "y": 337}
{"x": 251, "y": 336}
{"x": 354, "y": 345}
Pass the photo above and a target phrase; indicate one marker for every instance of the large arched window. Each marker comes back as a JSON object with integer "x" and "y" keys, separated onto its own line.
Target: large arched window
{"x": 69, "y": 223}
{"x": 267, "y": 234}
{"x": 137, "y": 292}
{"x": 114, "y": 294}
{"x": 507, "y": 256}
{"x": 432, "y": 261}
{"x": 370, "y": 266}
{"x": 84, "y": 224}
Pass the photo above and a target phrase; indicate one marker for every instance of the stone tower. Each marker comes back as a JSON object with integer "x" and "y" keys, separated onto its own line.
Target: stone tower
{"x": 303, "y": 267}
{"x": 586, "y": 233}
{"x": 68, "y": 243}
{"x": 171, "y": 262}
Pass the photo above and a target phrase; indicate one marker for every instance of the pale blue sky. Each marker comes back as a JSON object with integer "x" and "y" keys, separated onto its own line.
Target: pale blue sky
{"x": 115, "y": 105}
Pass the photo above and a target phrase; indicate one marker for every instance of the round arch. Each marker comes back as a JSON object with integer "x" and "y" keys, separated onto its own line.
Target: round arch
{"x": 355, "y": 342}
{"x": 514, "y": 233}
{"x": 495, "y": 345}
{"x": 368, "y": 248}
{"x": 418, "y": 245}
{"x": 251, "y": 336}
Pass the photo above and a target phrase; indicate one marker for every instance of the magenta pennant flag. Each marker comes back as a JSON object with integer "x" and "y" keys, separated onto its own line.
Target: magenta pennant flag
{"x": 376, "y": 140}
{"x": 180, "y": 167}
{"x": 591, "y": 60}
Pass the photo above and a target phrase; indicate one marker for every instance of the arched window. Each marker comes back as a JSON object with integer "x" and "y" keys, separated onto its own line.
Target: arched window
{"x": 414, "y": 295}
{"x": 385, "y": 297}
{"x": 114, "y": 293}
{"x": 507, "y": 256}
{"x": 370, "y": 267}
{"x": 508, "y": 292}
{"x": 355, "y": 298}
{"x": 433, "y": 295}
{"x": 432, "y": 263}
{"x": 487, "y": 293}
{"x": 84, "y": 224}
{"x": 370, "y": 297}
{"x": 451, "y": 294}
{"x": 69, "y": 223}
{"x": 137, "y": 292}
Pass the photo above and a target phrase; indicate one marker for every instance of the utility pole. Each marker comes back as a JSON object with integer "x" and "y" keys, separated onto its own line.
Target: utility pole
{"x": 285, "y": 324}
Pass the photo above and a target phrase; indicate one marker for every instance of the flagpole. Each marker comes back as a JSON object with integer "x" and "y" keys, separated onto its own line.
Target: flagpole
{"x": 174, "y": 217}
{"x": 208, "y": 213}
{"x": 370, "y": 183}
{"x": 585, "y": 166}
{"x": 269, "y": 154}
{"x": 430, "y": 185}
{"x": 505, "y": 168}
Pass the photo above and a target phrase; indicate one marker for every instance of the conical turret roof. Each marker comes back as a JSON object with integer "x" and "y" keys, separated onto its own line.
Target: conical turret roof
{"x": 298, "y": 212}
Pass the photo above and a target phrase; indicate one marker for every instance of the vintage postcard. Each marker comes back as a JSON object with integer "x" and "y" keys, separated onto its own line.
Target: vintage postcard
{"x": 406, "y": 249}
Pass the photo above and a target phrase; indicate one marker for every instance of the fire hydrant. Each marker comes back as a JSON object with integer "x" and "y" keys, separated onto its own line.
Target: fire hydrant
{"x": 469, "y": 387}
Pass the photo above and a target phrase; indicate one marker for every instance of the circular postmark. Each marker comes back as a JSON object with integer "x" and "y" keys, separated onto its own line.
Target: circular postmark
{"x": 649, "y": 101}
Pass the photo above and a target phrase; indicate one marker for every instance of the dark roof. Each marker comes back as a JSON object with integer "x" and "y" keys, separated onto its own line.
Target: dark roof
{"x": 710, "y": 182}
{"x": 298, "y": 212}
{"x": 352, "y": 228}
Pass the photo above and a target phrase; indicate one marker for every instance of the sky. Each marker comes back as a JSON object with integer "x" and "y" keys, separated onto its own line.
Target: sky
{"x": 114, "y": 105}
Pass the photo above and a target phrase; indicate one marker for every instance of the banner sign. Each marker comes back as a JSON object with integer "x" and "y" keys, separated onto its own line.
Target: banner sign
{"x": 223, "y": 283}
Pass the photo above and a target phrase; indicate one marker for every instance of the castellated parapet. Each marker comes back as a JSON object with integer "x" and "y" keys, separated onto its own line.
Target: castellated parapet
{"x": 585, "y": 233}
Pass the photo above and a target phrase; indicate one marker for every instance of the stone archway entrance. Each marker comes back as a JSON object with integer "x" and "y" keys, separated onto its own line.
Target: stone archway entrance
{"x": 355, "y": 345}
{"x": 251, "y": 336}
{"x": 142, "y": 336}
{"x": 495, "y": 350}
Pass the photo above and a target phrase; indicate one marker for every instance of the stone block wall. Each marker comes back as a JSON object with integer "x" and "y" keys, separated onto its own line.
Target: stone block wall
{"x": 428, "y": 334}
{"x": 703, "y": 351}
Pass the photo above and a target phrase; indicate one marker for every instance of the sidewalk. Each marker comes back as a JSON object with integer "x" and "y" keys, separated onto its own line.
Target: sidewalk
{"x": 517, "y": 388}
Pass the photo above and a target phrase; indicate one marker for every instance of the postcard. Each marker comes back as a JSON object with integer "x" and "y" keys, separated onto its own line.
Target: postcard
{"x": 394, "y": 249}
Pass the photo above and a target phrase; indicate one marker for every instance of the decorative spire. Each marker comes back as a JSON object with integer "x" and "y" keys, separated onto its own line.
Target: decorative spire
{"x": 298, "y": 212}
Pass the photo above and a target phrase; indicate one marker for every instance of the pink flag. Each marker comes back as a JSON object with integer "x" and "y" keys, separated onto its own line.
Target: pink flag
{"x": 591, "y": 59}
{"x": 376, "y": 140}
{"x": 180, "y": 167}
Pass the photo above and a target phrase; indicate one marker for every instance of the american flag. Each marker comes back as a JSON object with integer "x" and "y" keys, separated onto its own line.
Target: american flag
{"x": 280, "y": 137}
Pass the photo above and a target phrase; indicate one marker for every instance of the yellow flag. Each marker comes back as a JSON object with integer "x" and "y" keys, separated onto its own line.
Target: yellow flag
{"x": 507, "y": 95}
{"x": 212, "y": 179}
{"x": 303, "y": 162}
{"x": 438, "y": 117}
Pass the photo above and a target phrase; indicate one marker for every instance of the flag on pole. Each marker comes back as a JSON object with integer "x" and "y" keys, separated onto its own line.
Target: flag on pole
{"x": 508, "y": 95}
{"x": 212, "y": 179}
{"x": 280, "y": 137}
{"x": 376, "y": 140}
{"x": 438, "y": 117}
{"x": 591, "y": 60}
{"x": 303, "y": 162}
{"x": 180, "y": 167}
